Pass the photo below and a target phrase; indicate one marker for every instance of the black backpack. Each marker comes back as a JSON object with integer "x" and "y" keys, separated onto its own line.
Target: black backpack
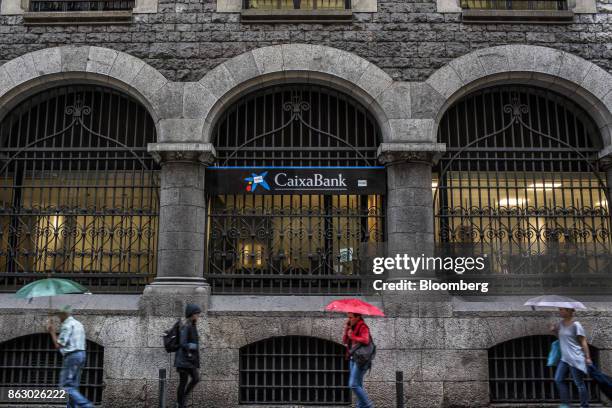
{"x": 171, "y": 337}
{"x": 364, "y": 354}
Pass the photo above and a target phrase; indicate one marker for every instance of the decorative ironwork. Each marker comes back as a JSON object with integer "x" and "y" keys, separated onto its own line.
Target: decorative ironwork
{"x": 80, "y": 5}
{"x": 297, "y": 126}
{"x": 33, "y": 362}
{"x": 78, "y": 190}
{"x": 518, "y": 372}
{"x": 297, "y": 4}
{"x": 520, "y": 183}
{"x": 294, "y": 370}
{"x": 514, "y": 4}
{"x": 293, "y": 243}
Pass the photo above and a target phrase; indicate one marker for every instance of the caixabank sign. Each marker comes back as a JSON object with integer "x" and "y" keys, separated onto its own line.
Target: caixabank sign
{"x": 296, "y": 180}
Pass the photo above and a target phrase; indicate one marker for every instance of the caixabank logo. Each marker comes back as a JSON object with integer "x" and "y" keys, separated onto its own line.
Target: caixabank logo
{"x": 256, "y": 180}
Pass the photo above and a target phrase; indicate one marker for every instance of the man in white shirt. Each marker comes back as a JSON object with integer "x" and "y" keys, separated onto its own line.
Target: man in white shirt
{"x": 71, "y": 344}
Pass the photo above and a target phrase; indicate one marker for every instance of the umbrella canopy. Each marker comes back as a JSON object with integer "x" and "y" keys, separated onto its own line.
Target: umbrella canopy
{"x": 50, "y": 287}
{"x": 555, "y": 301}
{"x": 354, "y": 306}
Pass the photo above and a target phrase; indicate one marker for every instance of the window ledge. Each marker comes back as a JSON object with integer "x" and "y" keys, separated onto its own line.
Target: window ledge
{"x": 296, "y": 16}
{"x": 518, "y": 16}
{"x": 71, "y": 17}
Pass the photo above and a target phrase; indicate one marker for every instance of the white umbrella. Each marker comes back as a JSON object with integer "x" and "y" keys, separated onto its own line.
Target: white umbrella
{"x": 555, "y": 301}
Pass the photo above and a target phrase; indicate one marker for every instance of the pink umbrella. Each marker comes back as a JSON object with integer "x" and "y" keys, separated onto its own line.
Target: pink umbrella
{"x": 354, "y": 306}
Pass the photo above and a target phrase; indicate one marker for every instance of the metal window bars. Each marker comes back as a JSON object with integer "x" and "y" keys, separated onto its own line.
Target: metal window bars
{"x": 297, "y": 4}
{"x": 520, "y": 183}
{"x": 297, "y": 126}
{"x": 32, "y": 361}
{"x": 78, "y": 191}
{"x": 518, "y": 372}
{"x": 80, "y": 5}
{"x": 293, "y": 244}
{"x": 294, "y": 370}
{"x": 556, "y": 5}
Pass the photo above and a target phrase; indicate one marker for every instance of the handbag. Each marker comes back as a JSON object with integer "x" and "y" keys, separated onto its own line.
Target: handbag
{"x": 363, "y": 354}
{"x": 554, "y": 355}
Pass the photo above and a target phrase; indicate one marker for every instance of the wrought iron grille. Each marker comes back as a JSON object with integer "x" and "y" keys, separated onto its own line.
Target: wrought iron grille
{"x": 293, "y": 244}
{"x": 518, "y": 372}
{"x": 32, "y": 361}
{"x": 520, "y": 184}
{"x": 297, "y": 126}
{"x": 298, "y": 4}
{"x": 514, "y": 4}
{"x": 78, "y": 190}
{"x": 80, "y": 5}
{"x": 294, "y": 370}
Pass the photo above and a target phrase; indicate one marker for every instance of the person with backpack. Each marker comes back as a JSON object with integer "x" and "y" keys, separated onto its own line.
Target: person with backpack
{"x": 575, "y": 357}
{"x": 360, "y": 351}
{"x": 187, "y": 357}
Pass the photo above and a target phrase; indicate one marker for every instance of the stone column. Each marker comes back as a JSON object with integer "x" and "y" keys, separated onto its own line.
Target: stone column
{"x": 409, "y": 212}
{"x": 182, "y": 230}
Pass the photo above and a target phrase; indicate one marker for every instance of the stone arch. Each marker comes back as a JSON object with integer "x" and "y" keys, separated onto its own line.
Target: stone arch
{"x": 502, "y": 329}
{"x": 39, "y": 70}
{"x": 568, "y": 74}
{"x": 252, "y": 329}
{"x": 389, "y": 101}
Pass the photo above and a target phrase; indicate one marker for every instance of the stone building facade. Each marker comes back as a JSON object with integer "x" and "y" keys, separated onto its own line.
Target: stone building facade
{"x": 406, "y": 65}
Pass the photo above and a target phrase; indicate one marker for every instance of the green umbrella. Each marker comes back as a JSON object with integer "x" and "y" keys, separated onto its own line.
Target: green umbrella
{"x": 50, "y": 287}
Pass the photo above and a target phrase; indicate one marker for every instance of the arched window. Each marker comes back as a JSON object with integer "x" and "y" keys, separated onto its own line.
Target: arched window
{"x": 294, "y": 240}
{"x": 518, "y": 372}
{"x": 32, "y": 362}
{"x": 520, "y": 183}
{"x": 294, "y": 370}
{"x": 78, "y": 190}
{"x": 301, "y": 125}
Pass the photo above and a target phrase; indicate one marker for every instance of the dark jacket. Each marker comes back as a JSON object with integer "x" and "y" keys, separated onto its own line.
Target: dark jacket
{"x": 188, "y": 354}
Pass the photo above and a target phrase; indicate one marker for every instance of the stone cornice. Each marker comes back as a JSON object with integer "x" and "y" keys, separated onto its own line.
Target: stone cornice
{"x": 390, "y": 153}
{"x": 203, "y": 153}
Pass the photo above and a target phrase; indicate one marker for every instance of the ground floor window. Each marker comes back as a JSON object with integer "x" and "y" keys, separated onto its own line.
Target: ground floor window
{"x": 32, "y": 362}
{"x": 294, "y": 244}
{"x": 518, "y": 372}
{"x": 294, "y": 370}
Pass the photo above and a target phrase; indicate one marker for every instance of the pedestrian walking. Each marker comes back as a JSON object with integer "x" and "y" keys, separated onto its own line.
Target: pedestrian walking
{"x": 575, "y": 357}
{"x": 356, "y": 335}
{"x": 187, "y": 358}
{"x": 71, "y": 344}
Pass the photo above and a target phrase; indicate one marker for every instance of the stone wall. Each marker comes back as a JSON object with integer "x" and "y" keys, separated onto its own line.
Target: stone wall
{"x": 407, "y": 39}
{"x": 444, "y": 358}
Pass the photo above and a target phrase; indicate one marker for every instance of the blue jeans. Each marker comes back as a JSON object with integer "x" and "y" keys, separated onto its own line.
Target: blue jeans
{"x": 578, "y": 377}
{"x": 356, "y": 385}
{"x": 70, "y": 378}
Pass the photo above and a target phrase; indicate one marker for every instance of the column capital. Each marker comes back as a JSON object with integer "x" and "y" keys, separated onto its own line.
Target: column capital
{"x": 392, "y": 153}
{"x": 203, "y": 153}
